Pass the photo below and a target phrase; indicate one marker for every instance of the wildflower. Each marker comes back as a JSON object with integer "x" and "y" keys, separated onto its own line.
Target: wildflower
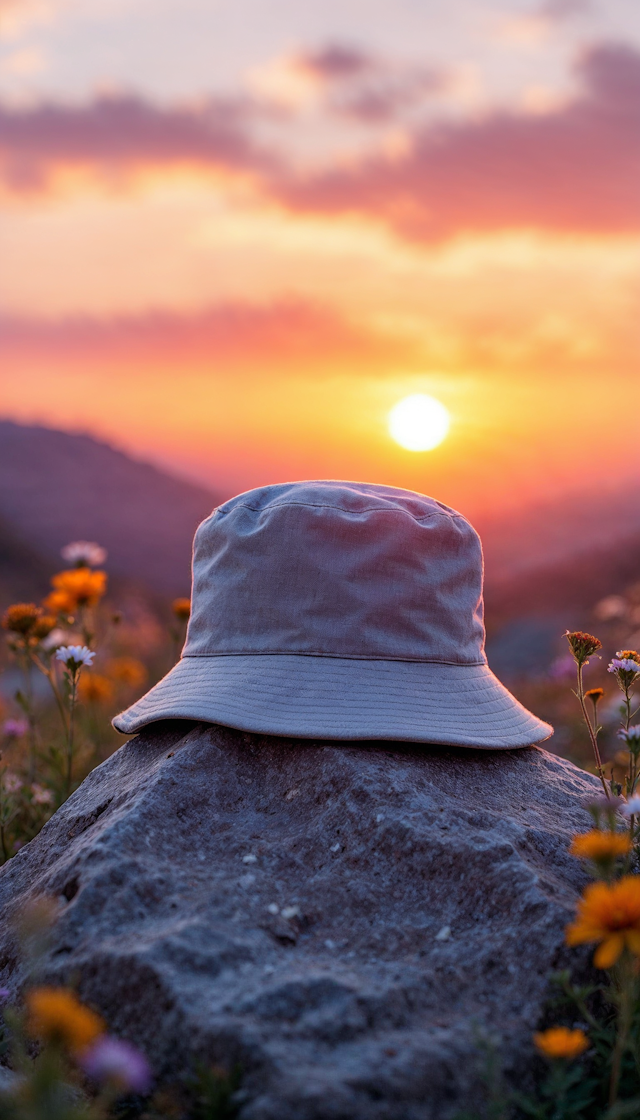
{"x": 84, "y": 554}
{"x": 594, "y": 695}
{"x": 582, "y": 645}
{"x": 181, "y": 608}
{"x": 118, "y": 1064}
{"x": 15, "y": 728}
{"x": 562, "y": 667}
{"x": 43, "y": 627}
{"x": 608, "y": 913}
{"x": 74, "y": 657}
{"x": 629, "y": 655}
{"x": 601, "y": 847}
{"x": 127, "y": 670}
{"x": 560, "y": 1042}
{"x": 40, "y": 795}
{"x": 93, "y": 688}
{"x": 55, "y": 638}
{"x": 623, "y": 664}
{"x": 77, "y": 587}
{"x": 631, "y": 734}
{"x": 600, "y": 803}
{"x": 11, "y": 782}
{"x": 57, "y": 1015}
{"x": 632, "y": 806}
{"x": 60, "y": 603}
{"x": 21, "y": 618}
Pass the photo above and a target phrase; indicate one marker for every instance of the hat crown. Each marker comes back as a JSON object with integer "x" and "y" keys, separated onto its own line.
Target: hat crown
{"x": 337, "y": 569}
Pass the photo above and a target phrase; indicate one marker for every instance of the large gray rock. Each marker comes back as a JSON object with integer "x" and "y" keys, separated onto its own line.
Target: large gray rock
{"x": 343, "y": 920}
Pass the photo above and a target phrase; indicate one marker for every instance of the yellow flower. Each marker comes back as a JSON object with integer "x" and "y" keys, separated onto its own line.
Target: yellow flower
{"x": 601, "y": 847}
{"x": 181, "y": 608}
{"x": 609, "y": 913}
{"x": 93, "y": 688}
{"x": 127, "y": 670}
{"x": 21, "y": 618}
{"x": 56, "y": 1015}
{"x": 81, "y": 586}
{"x": 560, "y": 1042}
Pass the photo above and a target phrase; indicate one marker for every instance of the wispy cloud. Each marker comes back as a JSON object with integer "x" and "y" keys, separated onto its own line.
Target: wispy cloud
{"x": 284, "y": 332}
{"x": 572, "y": 169}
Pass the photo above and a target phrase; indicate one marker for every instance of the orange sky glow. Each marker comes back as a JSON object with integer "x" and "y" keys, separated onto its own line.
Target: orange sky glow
{"x": 235, "y": 264}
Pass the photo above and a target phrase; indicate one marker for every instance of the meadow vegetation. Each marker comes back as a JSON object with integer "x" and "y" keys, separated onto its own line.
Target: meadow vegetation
{"x": 73, "y": 661}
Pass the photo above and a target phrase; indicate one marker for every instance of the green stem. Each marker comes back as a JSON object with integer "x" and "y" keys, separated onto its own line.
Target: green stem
{"x": 626, "y": 993}
{"x": 50, "y": 675}
{"x": 72, "y": 711}
{"x": 592, "y": 733}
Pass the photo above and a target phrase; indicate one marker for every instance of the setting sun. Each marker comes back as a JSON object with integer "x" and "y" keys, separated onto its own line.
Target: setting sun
{"x": 419, "y": 422}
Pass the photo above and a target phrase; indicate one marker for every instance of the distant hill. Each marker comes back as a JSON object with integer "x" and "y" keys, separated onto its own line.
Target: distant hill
{"x": 23, "y": 572}
{"x": 56, "y": 487}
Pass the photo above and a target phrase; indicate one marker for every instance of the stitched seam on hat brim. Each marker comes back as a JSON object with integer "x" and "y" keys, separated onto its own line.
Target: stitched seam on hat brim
{"x": 327, "y": 505}
{"x": 336, "y": 657}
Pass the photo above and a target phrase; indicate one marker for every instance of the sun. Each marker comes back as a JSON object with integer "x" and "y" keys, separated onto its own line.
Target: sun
{"x": 419, "y": 422}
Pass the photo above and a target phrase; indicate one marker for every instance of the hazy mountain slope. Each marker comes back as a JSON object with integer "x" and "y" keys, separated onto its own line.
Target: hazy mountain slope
{"x": 56, "y": 487}
{"x": 23, "y": 573}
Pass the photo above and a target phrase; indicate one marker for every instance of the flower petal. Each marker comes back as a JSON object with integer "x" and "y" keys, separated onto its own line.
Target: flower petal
{"x": 608, "y": 952}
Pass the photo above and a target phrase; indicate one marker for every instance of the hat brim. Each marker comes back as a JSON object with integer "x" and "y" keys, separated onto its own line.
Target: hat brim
{"x": 310, "y": 697}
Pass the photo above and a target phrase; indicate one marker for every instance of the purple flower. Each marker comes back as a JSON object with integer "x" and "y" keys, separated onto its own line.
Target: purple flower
{"x": 15, "y": 728}
{"x": 632, "y": 806}
{"x": 118, "y": 1063}
{"x": 632, "y": 733}
{"x": 626, "y": 664}
{"x": 562, "y": 667}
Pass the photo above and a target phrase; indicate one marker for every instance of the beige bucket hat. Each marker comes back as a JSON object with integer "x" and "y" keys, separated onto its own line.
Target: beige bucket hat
{"x": 339, "y": 610}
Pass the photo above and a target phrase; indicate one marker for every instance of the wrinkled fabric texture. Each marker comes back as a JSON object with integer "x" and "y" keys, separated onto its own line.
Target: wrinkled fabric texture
{"x": 337, "y": 570}
{"x": 339, "y": 609}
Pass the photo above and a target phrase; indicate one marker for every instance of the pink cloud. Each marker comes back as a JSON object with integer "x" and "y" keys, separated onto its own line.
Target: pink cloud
{"x": 232, "y": 332}
{"x": 125, "y": 132}
{"x": 576, "y": 169}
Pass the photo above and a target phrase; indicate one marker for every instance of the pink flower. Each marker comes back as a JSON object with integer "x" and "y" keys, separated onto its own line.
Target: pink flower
{"x": 84, "y": 554}
{"x": 117, "y": 1063}
{"x": 11, "y": 782}
{"x": 15, "y": 728}
{"x": 40, "y": 795}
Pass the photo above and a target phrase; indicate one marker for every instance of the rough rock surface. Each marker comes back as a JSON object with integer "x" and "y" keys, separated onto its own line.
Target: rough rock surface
{"x": 343, "y": 920}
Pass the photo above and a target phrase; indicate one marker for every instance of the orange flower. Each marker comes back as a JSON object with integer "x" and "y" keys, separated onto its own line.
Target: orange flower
{"x": 127, "y": 670}
{"x": 600, "y": 846}
{"x": 560, "y": 1042}
{"x": 59, "y": 602}
{"x": 82, "y": 587}
{"x": 43, "y": 626}
{"x": 57, "y": 1015}
{"x": 594, "y": 694}
{"x": 93, "y": 688}
{"x": 582, "y": 645}
{"x": 628, "y": 654}
{"x": 609, "y": 913}
{"x": 181, "y": 608}
{"x": 21, "y": 618}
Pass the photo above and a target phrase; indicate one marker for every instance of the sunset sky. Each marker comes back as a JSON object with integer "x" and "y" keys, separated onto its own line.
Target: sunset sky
{"x": 234, "y": 233}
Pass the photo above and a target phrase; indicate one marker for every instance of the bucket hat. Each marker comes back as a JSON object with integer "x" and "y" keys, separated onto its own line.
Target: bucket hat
{"x": 339, "y": 610}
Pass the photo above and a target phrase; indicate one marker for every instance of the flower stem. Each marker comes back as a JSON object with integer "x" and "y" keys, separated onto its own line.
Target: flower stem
{"x": 626, "y": 994}
{"x": 593, "y": 734}
{"x": 73, "y": 686}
